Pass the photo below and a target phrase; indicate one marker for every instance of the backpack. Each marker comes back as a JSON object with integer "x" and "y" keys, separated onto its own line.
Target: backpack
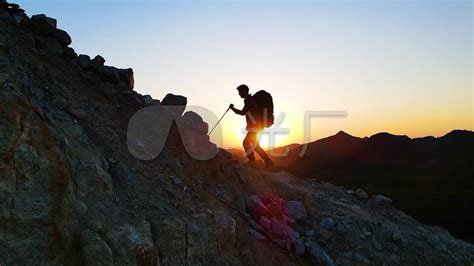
{"x": 264, "y": 102}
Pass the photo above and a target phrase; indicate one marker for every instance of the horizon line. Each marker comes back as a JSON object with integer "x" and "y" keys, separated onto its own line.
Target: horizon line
{"x": 296, "y": 143}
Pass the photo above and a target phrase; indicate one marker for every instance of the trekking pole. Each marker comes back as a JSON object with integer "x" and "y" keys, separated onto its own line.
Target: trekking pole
{"x": 219, "y": 121}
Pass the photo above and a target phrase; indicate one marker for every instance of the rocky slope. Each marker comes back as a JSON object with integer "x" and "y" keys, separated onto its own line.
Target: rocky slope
{"x": 431, "y": 179}
{"x": 72, "y": 193}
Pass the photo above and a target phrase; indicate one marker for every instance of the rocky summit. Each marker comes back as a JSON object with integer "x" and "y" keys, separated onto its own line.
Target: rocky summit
{"x": 74, "y": 190}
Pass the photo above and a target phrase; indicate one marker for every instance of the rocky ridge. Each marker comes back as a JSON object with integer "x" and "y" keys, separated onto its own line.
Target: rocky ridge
{"x": 72, "y": 193}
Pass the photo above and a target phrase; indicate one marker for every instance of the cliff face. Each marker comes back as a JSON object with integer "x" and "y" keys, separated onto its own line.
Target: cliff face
{"x": 71, "y": 192}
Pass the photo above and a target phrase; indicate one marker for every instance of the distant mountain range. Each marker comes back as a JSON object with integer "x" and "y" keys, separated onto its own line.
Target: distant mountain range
{"x": 429, "y": 178}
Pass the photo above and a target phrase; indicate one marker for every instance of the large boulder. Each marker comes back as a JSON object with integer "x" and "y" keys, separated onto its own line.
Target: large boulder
{"x": 83, "y": 60}
{"x": 175, "y": 103}
{"x": 62, "y": 37}
{"x": 126, "y": 76}
{"x": 70, "y": 53}
{"x": 41, "y": 24}
{"x": 149, "y": 101}
{"x": 96, "y": 63}
{"x": 171, "y": 99}
{"x": 108, "y": 74}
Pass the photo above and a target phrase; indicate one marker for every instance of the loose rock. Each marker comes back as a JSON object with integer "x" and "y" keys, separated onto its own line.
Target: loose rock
{"x": 296, "y": 209}
{"x": 62, "y": 37}
{"x": 327, "y": 223}
{"x": 381, "y": 200}
{"x": 318, "y": 255}
{"x": 41, "y": 24}
{"x": 361, "y": 194}
{"x": 83, "y": 60}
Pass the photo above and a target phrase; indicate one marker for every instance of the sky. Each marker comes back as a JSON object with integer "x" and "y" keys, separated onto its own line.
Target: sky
{"x": 404, "y": 67}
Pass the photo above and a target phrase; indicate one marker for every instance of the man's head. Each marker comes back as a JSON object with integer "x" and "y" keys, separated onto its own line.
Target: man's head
{"x": 243, "y": 90}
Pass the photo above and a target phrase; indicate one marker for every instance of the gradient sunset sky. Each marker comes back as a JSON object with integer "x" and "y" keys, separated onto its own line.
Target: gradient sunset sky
{"x": 404, "y": 67}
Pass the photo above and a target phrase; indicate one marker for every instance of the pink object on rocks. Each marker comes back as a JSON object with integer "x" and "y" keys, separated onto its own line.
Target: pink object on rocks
{"x": 272, "y": 214}
{"x": 261, "y": 209}
{"x": 274, "y": 210}
{"x": 280, "y": 229}
{"x": 264, "y": 222}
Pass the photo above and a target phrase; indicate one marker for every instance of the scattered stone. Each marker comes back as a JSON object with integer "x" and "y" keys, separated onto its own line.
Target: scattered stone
{"x": 309, "y": 233}
{"x": 112, "y": 160}
{"x": 345, "y": 258}
{"x": 397, "y": 235}
{"x": 441, "y": 247}
{"x": 340, "y": 229}
{"x": 393, "y": 260}
{"x": 366, "y": 232}
{"x": 326, "y": 234}
{"x": 350, "y": 192}
{"x": 346, "y": 220}
{"x": 77, "y": 112}
{"x": 264, "y": 222}
{"x": 176, "y": 180}
{"x": 317, "y": 254}
{"x": 239, "y": 203}
{"x": 296, "y": 209}
{"x": 299, "y": 248}
{"x": 257, "y": 207}
{"x": 377, "y": 245}
{"x": 381, "y": 200}
{"x": 361, "y": 194}
{"x": 361, "y": 258}
{"x": 327, "y": 223}
{"x": 256, "y": 226}
{"x": 41, "y": 24}
{"x": 436, "y": 243}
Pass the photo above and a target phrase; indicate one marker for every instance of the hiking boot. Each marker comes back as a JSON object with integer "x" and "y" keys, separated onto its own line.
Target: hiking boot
{"x": 269, "y": 164}
{"x": 250, "y": 163}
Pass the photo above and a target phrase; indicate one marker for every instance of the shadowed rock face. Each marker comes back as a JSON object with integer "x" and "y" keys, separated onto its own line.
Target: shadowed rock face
{"x": 429, "y": 178}
{"x": 72, "y": 193}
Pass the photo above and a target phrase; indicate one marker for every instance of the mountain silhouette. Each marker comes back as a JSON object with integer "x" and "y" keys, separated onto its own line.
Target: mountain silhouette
{"x": 429, "y": 178}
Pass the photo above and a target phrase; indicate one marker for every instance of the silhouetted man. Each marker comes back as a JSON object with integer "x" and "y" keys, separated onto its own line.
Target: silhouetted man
{"x": 254, "y": 126}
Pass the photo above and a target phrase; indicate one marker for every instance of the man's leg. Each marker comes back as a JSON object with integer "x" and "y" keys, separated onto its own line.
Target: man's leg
{"x": 248, "y": 145}
{"x": 259, "y": 149}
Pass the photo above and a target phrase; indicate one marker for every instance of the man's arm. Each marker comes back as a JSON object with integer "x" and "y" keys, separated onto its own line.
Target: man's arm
{"x": 237, "y": 111}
